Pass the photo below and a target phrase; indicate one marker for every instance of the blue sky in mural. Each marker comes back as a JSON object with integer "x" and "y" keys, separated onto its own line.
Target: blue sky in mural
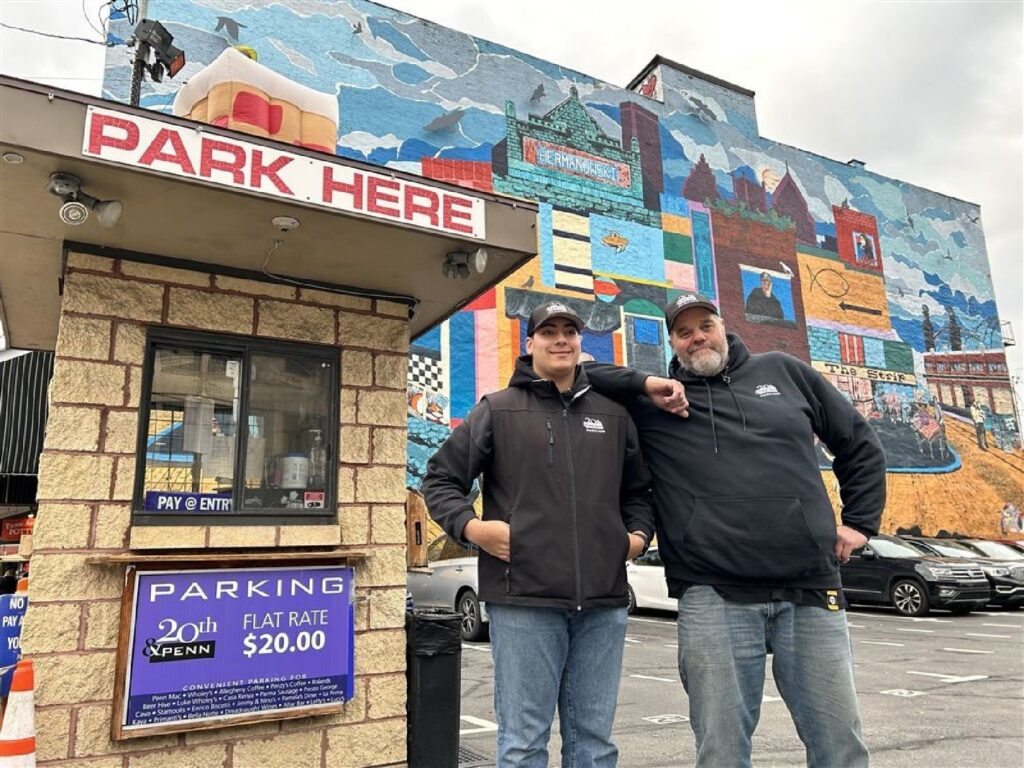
{"x": 394, "y": 78}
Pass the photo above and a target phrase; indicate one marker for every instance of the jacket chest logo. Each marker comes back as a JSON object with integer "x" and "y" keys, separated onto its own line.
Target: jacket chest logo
{"x": 593, "y": 425}
{"x": 766, "y": 390}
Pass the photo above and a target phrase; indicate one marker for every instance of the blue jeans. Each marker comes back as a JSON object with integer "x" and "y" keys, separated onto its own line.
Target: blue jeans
{"x": 722, "y": 650}
{"x": 549, "y": 656}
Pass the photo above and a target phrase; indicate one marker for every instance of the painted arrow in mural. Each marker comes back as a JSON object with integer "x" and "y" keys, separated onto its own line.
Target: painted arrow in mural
{"x": 854, "y": 308}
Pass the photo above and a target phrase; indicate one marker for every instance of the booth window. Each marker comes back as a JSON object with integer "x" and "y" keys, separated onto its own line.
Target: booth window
{"x": 235, "y": 431}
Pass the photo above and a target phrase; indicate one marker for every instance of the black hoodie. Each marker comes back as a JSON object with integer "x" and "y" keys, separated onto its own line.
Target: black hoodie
{"x": 738, "y": 490}
{"x": 564, "y": 470}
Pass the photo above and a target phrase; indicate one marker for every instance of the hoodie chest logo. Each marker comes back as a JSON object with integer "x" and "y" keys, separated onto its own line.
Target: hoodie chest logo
{"x": 593, "y": 425}
{"x": 766, "y": 390}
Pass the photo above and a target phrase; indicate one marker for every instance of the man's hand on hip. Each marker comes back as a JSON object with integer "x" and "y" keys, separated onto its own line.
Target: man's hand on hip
{"x": 667, "y": 394}
{"x": 847, "y": 540}
{"x": 492, "y": 536}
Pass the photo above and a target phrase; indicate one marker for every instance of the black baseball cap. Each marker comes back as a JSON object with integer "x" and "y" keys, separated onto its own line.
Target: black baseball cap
{"x": 548, "y": 311}
{"x": 684, "y": 302}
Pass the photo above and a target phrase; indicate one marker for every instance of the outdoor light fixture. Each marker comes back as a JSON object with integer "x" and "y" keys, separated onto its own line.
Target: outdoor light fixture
{"x": 77, "y": 204}
{"x": 153, "y": 36}
{"x": 456, "y": 263}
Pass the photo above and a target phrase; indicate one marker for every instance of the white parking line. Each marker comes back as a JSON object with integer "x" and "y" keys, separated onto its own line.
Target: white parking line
{"x": 873, "y": 642}
{"x": 855, "y": 626}
{"x": 950, "y": 678}
{"x": 631, "y": 639}
{"x": 652, "y": 621}
{"x": 482, "y": 726}
{"x": 979, "y": 634}
{"x": 1004, "y": 626}
{"x": 929, "y": 631}
{"x": 672, "y": 645}
{"x": 484, "y": 648}
{"x": 968, "y": 650}
{"x": 659, "y": 679}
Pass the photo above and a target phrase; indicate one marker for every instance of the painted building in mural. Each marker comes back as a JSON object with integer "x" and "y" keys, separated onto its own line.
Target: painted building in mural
{"x": 646, "y": 191}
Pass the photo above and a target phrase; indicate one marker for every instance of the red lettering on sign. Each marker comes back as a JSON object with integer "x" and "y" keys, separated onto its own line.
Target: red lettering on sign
{"x": 377, "y": 192}
{"x": 208, "y": 163}
{"x": 177, "y": 155}
{"x": 427, "y": 208}
{"x": 258, "y": 171}
{"x": 452, "y": 204}
{"x": 99, "y": 137}
{"x": 355, "y": 189}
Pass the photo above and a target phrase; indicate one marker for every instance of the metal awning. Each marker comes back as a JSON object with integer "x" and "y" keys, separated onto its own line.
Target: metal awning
{"x": 215, "y": 226}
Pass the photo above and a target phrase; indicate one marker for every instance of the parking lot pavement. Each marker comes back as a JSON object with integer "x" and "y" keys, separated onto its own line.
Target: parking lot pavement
{"x": 942, "y": 691}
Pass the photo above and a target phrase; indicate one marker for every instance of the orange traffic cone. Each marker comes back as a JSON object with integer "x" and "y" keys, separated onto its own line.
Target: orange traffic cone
{"x": 18, "y": 733}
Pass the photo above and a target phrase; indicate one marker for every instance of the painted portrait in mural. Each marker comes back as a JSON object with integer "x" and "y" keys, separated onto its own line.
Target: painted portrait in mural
{"x": 880, "y": 285}
{"x": 865, "y": 249}
{"x": 768, "y": 296}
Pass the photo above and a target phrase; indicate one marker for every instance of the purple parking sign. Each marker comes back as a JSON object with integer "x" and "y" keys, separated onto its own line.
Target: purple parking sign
{"x": 232, "y": 643}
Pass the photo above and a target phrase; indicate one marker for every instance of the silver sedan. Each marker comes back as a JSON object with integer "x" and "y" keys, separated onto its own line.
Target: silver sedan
{"x": 450, "y": 581}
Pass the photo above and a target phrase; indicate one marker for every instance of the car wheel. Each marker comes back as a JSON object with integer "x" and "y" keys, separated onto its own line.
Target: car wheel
{"x": 909, "y": 598}
{"x": 473, "y": 627}
{"x": 630, "y": 600}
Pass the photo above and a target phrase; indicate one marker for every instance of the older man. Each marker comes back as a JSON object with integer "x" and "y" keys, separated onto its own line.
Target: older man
{"x": 748, "y": 535}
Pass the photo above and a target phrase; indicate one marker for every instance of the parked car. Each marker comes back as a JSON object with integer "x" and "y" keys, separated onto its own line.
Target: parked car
{"x": 889, "y": 570}
{"x": 1003, "y": 565}
{"x": 450, "y": 581}
{"x": 1017, "y": 544}
{"x": 646, "y": 585}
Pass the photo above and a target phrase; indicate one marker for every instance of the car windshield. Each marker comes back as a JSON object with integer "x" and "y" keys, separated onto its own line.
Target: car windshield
{"x": 996, "y": 550}
{"x": 889, "y": 548}
{"x": 948, "y": 549}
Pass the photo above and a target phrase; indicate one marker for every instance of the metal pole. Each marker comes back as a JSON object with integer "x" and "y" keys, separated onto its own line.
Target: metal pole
{"x": 138, "y": 71}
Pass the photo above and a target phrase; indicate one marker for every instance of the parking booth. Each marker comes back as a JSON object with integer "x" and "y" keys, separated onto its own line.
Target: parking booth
{"x": 220, "y": 547}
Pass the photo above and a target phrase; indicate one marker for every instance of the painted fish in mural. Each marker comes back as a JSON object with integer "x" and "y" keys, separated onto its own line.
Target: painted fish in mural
{"x": 616, "y": 241}
{"x": 229, "y": 25}
{"x": 444, "y": 121}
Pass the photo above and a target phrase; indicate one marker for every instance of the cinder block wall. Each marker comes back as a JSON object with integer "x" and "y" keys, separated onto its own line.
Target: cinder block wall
{"x": 85, "y": 484}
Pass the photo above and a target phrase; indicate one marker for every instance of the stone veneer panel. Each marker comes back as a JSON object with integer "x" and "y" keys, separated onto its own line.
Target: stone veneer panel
{"x": 88, "y": 467}
{"x": 211, "y": 311}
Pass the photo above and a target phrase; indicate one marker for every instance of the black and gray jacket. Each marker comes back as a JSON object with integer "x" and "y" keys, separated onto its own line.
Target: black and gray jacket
{"x": 738, "y": 489}
{"x": 564, "y": 470}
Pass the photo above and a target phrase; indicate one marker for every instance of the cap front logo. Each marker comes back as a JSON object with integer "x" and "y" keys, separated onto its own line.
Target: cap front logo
{"x": 556, "y": 307}
{"x": 685, "y": 299}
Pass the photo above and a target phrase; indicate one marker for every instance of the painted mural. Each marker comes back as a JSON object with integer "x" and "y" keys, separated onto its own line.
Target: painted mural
{"x": 881, "y": 286}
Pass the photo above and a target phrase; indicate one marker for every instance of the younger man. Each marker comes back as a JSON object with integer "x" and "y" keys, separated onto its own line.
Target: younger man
{"x": 565, "y": 505}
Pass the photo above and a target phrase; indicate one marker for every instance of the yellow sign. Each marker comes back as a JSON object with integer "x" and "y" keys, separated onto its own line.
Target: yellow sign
{"x": 874, "y": 374}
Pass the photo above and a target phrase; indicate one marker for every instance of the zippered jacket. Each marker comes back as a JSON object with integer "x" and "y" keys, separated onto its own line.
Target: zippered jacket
{"x": 738, "y": 489}
{"x": 564, "y": 470}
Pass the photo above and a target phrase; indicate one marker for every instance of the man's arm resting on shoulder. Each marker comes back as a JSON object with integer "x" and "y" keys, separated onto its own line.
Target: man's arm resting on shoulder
{"x": 624, "y": 385}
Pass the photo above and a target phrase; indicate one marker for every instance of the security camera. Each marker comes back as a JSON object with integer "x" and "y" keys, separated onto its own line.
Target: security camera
{"x": 284, "y": 223}
{"x": 73, "y": 212}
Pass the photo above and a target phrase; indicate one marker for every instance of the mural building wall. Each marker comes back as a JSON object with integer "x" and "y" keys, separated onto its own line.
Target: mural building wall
{"x": 882, "y": 286}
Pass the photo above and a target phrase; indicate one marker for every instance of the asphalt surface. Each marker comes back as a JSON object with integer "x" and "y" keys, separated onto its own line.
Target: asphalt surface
{"x": 942, "y": 691}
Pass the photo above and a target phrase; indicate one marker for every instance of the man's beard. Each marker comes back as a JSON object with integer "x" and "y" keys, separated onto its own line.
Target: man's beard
{"x": 711, "y": 360}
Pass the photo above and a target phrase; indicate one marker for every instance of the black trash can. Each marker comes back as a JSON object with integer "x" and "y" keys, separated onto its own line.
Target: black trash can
{"x": 434, "y": 675}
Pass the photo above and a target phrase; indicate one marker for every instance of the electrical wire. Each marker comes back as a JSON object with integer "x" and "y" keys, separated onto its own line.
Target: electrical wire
{"x": 55, "y": 36}
{"x": 89, "y": 21}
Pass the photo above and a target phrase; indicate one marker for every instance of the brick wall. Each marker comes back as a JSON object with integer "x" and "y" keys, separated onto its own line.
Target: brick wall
{"x": 86, "y": 475}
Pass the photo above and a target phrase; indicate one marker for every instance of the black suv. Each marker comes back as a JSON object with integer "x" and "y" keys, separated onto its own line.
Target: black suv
{"x": 1003, "y": 565}
{"x": 889, "y": 570}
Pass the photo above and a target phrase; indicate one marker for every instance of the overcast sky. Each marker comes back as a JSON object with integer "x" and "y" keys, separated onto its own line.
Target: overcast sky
{"x": 931, "y": 93}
